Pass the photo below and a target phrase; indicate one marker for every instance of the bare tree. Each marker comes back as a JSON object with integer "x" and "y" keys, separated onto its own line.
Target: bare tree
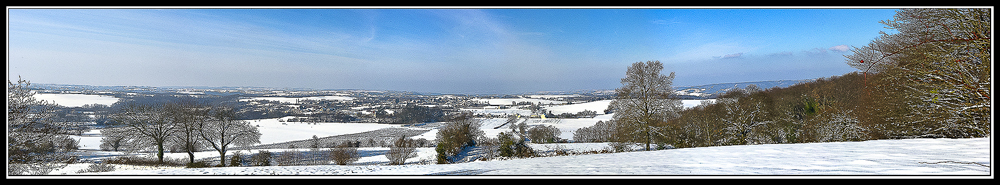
{"x": 837, "y": 125}
{"x": 314, "y": 142}
{"x": 743, "y": 121}
{"x": 144, "y": 125}
{"x": 520, "y": 129}
{"x": 224, "y": 130}
{"x": 188, "y": 114}
{"x": 112, "y": 142}
{"x": 32, "y": 133}
{"x": 644, "y": 102}
{"x": 403, "y": 148}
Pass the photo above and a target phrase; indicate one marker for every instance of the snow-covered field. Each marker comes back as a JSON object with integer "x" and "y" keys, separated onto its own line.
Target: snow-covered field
{"x": 552, "y": 96}
{"x": 920, "y": 157}
{"x": 693, "y": 103}
{"x": 273, "y": 131}
{"x": 597, "y": 106}
{"x": 76, "y": 100}
{"x": 294, "y": 100}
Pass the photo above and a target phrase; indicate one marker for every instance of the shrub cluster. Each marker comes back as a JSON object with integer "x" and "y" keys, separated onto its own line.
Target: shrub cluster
{"x": 462, "y": 131}
{"x": 262, "y": 158}
{"x": 513, "y": 146}
{"x": 403, "y": 148}
{"x": 344, "y": 154}
{"x": 98, "y": 167}
{"x": 600, "y": 132}
{"x": 145, "y": 161}
{"x": 544, "y": 134}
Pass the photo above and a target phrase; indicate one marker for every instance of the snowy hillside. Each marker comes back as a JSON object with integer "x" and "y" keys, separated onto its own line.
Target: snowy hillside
{"x": 711, "y": 90}
{"x": 598, "y": 106}
{"x": 880, "y": 157}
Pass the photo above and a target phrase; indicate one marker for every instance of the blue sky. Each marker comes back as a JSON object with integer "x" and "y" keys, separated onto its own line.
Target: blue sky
{"x": 468, "y": 50}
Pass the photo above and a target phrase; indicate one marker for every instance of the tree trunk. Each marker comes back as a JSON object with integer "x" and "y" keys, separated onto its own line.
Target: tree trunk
{"x": 190, "y": 157}
{"x": 222, "y": 157}
{"x": 190, "y": 150}
{"x": 159, "y": 152}
{"x": 648, "y": 139}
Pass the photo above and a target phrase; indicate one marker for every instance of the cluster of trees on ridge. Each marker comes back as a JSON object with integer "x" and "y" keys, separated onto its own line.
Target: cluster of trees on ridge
{"x": 931, "y": 80}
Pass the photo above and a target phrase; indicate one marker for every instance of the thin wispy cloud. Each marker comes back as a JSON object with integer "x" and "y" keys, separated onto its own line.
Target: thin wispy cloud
{"x": 815, "y": 51}
{"x": 428, "y": 50}
{"x": 665, "y": 21}
{"x": 734, "y": 55}
{"x": 709, "y": 51}
{"x": 840, "y": 48}
{"x": 783, "y": 53}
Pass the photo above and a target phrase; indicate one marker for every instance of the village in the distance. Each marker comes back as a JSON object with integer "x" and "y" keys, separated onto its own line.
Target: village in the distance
{"x": 357, "y": 106}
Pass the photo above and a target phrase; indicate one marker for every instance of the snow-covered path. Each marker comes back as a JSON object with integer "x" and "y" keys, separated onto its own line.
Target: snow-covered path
{"x": 879, "y": 157}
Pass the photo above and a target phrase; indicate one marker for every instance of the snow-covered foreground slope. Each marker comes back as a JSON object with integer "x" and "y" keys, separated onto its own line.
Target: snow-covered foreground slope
{"x": 879, "y": 157}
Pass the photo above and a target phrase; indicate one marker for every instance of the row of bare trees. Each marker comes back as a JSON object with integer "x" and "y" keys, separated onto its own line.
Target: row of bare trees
{"x": 192, "y": 125}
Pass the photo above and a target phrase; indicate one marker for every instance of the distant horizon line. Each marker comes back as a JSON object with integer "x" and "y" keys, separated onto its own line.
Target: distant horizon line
{"x": 420, "y": 92}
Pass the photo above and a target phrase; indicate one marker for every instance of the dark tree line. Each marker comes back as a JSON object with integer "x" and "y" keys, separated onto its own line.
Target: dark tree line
{"x": 418, "y": 114}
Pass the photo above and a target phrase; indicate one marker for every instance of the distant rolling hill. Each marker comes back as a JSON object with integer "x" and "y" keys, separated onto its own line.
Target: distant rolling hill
{"x": 687, "y": 92}
{"x": 713, "y": 90}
